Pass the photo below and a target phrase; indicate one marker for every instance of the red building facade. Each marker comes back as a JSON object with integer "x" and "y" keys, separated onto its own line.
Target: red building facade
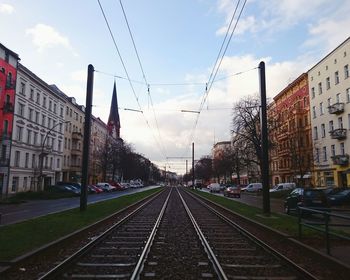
{"x": 8, "y": 75}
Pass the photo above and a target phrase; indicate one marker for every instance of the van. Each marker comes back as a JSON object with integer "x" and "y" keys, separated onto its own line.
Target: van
{"x": 252, "y": 187}
{"x": 282, "y": 187}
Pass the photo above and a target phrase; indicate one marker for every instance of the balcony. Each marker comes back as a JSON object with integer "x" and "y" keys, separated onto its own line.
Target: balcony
{"x": 76, "y": 152}
{"x": 5, "y": 136}
{"x": 10, "y": 85}
{"x": 77, "y": 135}
{"x": 339, "y": 133}
{"x": 340, "y": 159}
{"x": 336, "y": 108}
{"x": 8, "y": 107}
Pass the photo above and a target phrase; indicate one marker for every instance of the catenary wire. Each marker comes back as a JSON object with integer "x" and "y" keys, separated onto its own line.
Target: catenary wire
{"x": 126, "y": 72}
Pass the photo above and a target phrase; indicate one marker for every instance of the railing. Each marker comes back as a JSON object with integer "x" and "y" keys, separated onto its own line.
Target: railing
{"x": 340, "y": 159}
{"x": 339, "y": 133}
{"x": 336, "y": 108}
{"x": 8, "y": 107}
{"x": 325, "y": 224}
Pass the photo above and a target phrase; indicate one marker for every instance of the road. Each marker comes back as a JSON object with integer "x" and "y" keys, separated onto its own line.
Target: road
{"x": 14, "y": 213}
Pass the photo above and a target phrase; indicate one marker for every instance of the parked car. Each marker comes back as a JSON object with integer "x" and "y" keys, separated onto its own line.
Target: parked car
{"x": 232, "y": 191}
{"x": 283, "y": 187}
{"x": 94, "y": 189}
{"x": 136, "y": 185}
{"x": 253, "y": 187}
{"x": 214, "y": 187}
{"x": 339, "y": 198}
{"x": 106, "y": 187}
{"x": 125, "y": 185}
{"x": 118, "y": 187}
{"x": 305, "y": 197}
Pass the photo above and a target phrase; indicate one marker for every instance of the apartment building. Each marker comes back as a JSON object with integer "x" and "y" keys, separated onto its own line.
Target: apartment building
{"x": 329, "y": 86}
{"x": 99, "y": 135}
{"x": 38, "y": 134}
{"x": 291, "y": 158}
{"x": 8, "y": 75}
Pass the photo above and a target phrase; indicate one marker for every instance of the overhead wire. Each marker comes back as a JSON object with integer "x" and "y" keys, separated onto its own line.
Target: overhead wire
{"x": 125, "y": 70}
{"x": 217, "y": 65}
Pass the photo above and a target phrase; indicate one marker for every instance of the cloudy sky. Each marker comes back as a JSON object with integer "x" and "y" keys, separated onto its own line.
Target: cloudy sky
{"x": 178, "y": 42}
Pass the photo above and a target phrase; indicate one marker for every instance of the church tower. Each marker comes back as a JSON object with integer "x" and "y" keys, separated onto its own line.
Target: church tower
{"x": 113, "y": 124}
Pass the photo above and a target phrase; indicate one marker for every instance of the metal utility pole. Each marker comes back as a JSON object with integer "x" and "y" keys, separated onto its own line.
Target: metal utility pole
{"x": 86, "y": 143}
{"x": 192, "y": 165}
{"x": 264, "y": 141}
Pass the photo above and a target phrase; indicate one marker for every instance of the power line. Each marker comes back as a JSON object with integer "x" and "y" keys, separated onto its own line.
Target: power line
{"x": 212, "y": 77}
{"x": 125, "y": 70}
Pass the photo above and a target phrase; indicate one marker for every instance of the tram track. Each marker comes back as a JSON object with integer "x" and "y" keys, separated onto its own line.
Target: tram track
{"x": 176, "y": 235}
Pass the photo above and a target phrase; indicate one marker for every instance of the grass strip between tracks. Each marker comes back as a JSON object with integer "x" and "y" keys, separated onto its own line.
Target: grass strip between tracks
{"x": 20, "y": 238}
{"x": 283, "y": 223}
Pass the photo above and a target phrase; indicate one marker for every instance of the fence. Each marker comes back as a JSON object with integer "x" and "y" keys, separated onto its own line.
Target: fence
{"x": 325, "y": 224}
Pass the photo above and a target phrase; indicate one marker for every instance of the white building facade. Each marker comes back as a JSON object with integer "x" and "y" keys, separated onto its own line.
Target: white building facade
{"x": 38, "y": 134}
{"x": 329, "y": 88}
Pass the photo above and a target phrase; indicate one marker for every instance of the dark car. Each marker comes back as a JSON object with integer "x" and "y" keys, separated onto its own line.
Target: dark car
{"x": 232, "y": 191}
{"x": 305, "y": 197}
{"x": 340, "y": 198}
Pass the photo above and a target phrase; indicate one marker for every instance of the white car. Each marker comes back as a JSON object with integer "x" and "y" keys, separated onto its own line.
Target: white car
{"x": 253, "y": 187}
{"x": 214, "y": 187}
{"x": 106, "y": 187}
{"x": 282, "y": 187}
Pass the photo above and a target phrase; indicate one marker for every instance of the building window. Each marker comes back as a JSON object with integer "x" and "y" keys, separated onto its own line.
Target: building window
{"x": 314, "y": 112}
{"x": 321, "y": 108}
{"x": 323, "y": 130}
{"x": 340, "y": 122}
{"x": 35, "y": 141}
{"x": 333, "y": 150}
{"x": 21, "y": 109}
{"x": 348, "y": 95}
{"x": 19, "y": 133}
{"x": 346, "y": 71}
{"x": 328, "y": 83}
{"x": 5, "y": 128}
{"x": 44, "y": 101}
{"x": 338, "y": 98}
{"x": 342, "y": 149}
{"x": 331, "y": 126}
{"x": 33, "y": 161}
{"x": 58, "y": 163}
{"x": 17, "y": 158}
{"x": 29, "y": 136}
{"x": 25, "y": 183}
{"x": 336, "y": 77}
{"x": 329, "y": 102}
{"x": 38, "y": 98}
{"x": 61, "y": 111}
{"x": 317, "y": 155}
{"x": 23, "y": 89}
{"x": 324, "y": 153}
{"x": 43, "y": 120}
{"x": 26, "y": 160}
{"x": 31, "y": 95}
{"x": 14, "y": 186}
{"x": 319, "y": 88}
{"x": 315, "y": 133}
{"x": 50, "y": 105}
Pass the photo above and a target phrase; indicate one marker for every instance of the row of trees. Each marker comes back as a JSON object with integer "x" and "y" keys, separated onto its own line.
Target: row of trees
{"x": 118, "y": 161}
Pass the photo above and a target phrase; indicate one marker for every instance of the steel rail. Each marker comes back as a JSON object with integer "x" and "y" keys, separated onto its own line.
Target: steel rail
{"x": 216, "y": 264}
{"x": 61, "y": 267}
{"x": 253, "y": 238}
{"x": 139, "y": 266}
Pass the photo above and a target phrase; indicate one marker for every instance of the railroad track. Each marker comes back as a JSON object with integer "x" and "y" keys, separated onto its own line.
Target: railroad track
{"x": 176, "y": 236}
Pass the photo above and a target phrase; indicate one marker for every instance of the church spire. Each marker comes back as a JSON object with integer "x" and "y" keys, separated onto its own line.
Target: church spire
{"x": 113, "y": 119}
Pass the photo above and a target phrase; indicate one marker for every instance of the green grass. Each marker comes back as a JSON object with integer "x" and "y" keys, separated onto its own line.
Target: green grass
{"x": 20, "y": 238}
{"x": 280, "y": 222}
{"x": 23, "y": 197}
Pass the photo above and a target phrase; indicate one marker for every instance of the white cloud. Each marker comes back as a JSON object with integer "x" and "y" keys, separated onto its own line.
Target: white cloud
{"x": 45, "y": 37}
{"x": 6, "y": 9}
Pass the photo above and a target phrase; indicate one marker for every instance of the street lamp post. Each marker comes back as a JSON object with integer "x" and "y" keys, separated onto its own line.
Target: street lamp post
{"x": 41, "y": 156}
